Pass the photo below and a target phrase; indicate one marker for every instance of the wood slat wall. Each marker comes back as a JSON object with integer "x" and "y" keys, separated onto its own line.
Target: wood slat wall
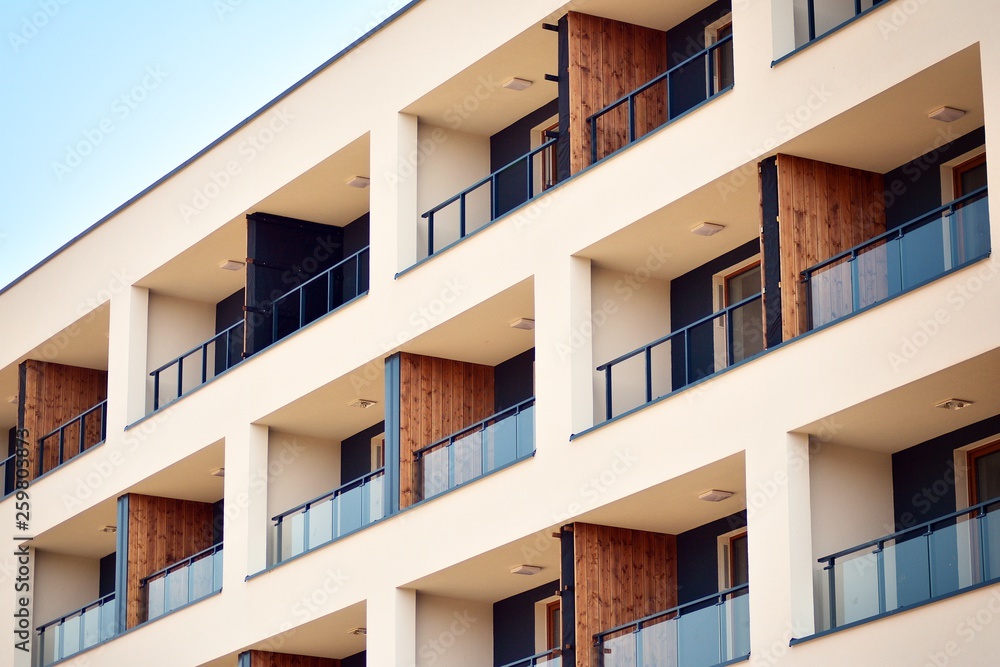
{"x": 269, "y": 659}
{"x": 437, "y": 397}
{"x": 621, "y": 576}
{"x": 161, "y": 531}
{"x": 50, "y": 395}
{"x": 609, "y": 59}
{"x": 824, "y": 209}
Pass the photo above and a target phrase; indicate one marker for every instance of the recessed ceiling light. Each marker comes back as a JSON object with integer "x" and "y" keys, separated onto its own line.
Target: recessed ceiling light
{"x": 108, "y": 529}
{"x": 218, "y": 472}
{"x": 525, "y": 323}
{"x": 231, "y": 265}
{"x": 715, "y": 495}
{"x": 707, "y": 229}
{"x": 363, "y": 403}
{"x": 358, "y": 631}
{"x": 953, "y": 404}
{"x": 514, "y": 83}
{"x": 946, "y": 114}
{"x": 525, "y": 569}
{"x": 358, "y": 182}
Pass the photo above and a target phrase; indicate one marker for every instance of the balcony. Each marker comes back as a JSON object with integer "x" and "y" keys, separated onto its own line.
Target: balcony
{"x": 344, "y": 510}
{"x": 78, "y": 630}
{"x": 551, "y": 658}
{"x": 927, "y": 562}
{"x": 901, "y": 259}
{"x": 77, "y": 435}
{"x": 714, "y": 630}
{"x": 183, "y": 582}
{"x": 477, "y": 450}
{"x": 815, "y": 19}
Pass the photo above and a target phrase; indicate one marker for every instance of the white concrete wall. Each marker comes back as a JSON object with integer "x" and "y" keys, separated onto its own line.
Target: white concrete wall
{"x": 450, "y": 162}
{"x": 628, "y": 310}
{"x": 453, "y": 633}
{"x": 63, "y": 584}
{"x": 176, "y": 326}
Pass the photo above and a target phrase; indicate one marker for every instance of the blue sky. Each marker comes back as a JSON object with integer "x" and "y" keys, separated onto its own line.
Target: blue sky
{"x": 104, "y": 97}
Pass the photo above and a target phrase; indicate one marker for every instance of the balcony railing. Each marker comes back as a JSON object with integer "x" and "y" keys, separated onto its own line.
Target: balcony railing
{"x": 344, "y": 510}
{"x": 834, "y": 15}
{"x": 73, "y": 438}
{"x": 493, "y": 180}
{"x": 717, "y": 60}
{"x": 8, "y": 468}
{"x": 77, "y": 631}
{"x": 900, "y": 259}
{"x": 183, "y": 582}
{"x": 714, "y": 630}
{"x": 551, "y": 658}
{"x": 214, "y": 356}
{"x": 475, "y": 451}
{"x": 724, "y": 337}
{"x": 914, "y": 566}
{"x": 321, "y": 294}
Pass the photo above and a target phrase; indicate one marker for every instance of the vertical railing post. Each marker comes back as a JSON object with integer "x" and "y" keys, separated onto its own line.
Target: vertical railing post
{"x": 855, "y": 286}
{"x": 831, "y": 583}
{"x": 857, "y": 7}
{"x": 639, "y": 657}
{"x": 531, "y": 172}
{"x": 461, "y": 216}
{"x": 335, "y": 505}
{"x": 451, "y": 463}
{"x": 204, "y": 360}
{"x": 302, "y": 307}
{"x": 720, "y": 612}
{"x": 984, "y": 545}
{"x": 156, "y": 390}
{"x": 305, "y": 528}
{"x": 277, "y": 540}
{"x": 430, "y": 233}
{"x": 649, "y": 374}
{"x": 329, "y": 291}
{"x": 880, "y": 571}
{"x": 607, "y": 391}
{"x": 229, "y": 347}
{"x": 180, "y": 377}
{"x": 62, "y": 447}
{"x": 710, "y": 72}
{"x": 930, "y": 561}
{"x": 82, "y": 439}
{"x": 593, "y": 139}
{"x": 631, "y": 118}
{"x": 730, "y": 352}
{"x": 687, "y": 357}
{"x": 811, "y": 18}
{"x": 104, "y": 421}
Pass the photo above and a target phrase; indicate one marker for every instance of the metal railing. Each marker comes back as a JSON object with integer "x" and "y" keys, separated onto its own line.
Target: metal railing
{"x": 224, "y": 338}
{"x": 77, "y": 631}
{"x": 58, "y": 439}
{"x": 183, "y": 582}
{"x": 8, "y": 482}
{"x": 900, "y": 259}
{"x": 712, "y": 88}
{"x": 913, "y": 566}
{"x": 330, "y": 516}
{"x": 492, "y": 180}
{"x": 685, "y": 336}
{"x": 475, "y": 451}
{"x": 551, "y": 658}
{"x": 858, "y": 6}
{"x": 714, "y": 630}
{"x": 318, "y": 296}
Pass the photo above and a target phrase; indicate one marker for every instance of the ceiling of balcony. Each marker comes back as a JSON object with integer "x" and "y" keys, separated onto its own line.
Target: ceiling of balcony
{"x": 318, "y": 195}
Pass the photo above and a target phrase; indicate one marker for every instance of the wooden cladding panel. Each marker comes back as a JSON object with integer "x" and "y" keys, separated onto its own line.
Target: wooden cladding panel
{"x": 607, "y": 60}
{"x": 269, "y": 659}
{"x": 825, "y": 209}
{"x": 437, "y": 397}
{"x": 161, "y": 531}
{"x": 52, "y": 394}
{"x": 621, "y": 576}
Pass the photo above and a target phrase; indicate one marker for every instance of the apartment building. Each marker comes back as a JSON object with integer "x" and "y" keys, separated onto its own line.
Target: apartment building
{"x": 604, "y": 333}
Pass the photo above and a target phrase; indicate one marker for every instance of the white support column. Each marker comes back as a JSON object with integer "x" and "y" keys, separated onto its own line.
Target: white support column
{"x": 393, "y": 197}
{"x": 392, "y": 628}
{"x": 127, "y": 357}
{"x": 246, "y": 521}
{"x": 779, "y": 528}
{"x": 990, "y": 72}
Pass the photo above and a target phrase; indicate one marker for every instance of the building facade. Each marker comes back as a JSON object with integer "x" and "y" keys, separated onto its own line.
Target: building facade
{"x": 605, "y": 334}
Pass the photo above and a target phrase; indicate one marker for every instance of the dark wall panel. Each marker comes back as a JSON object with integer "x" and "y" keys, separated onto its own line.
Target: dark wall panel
{"x": 106, "y": 583}
{"x": 687, "y": 84}
{"x": 514, "y": 380}
{"x": 914, "y": 188}
{"x": 514, "y": 624}
{"x": 356, "y": 453}
{"x": 690, "y": 300}
{"x": 698, "y": 557}
{"x": 511, "y": 143}
{"x": 356, "y": 660}
{"x": 770, "y": 250}
{"x": 228, "y": 312}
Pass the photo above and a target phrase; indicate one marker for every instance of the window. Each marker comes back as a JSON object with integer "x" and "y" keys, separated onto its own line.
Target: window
{"x": 734, "y": 562}
{"x": 722, "y": 57}
{"x": 553, "y": 626}
{"x": 378, "y": 451}
{"x": 733, "y": 285}
{"x": 970, "y": 175}
{"x": 984, "y": 473}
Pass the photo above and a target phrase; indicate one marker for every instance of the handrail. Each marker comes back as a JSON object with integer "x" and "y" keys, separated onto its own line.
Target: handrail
{"x": 181, "y": 564}
{"x": 4, "y": 463}
{"x": 598, "y": 636}
{"x": 513, "y": 410}
{"x": 532, "y": 660}
{"x": 60, "y": 431}
{"x": 880, "y": 541}
{"x": 897, "y": 232}
{"x": 492, "y": 179}
{"x": 100, "y": 602}
{"x": 683, "y": 331}
{"x": 343, "y": 488}
{"x": 203, "y": 348}
{"x": 328, "y": 275}
{"x": 710, "y": 91}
